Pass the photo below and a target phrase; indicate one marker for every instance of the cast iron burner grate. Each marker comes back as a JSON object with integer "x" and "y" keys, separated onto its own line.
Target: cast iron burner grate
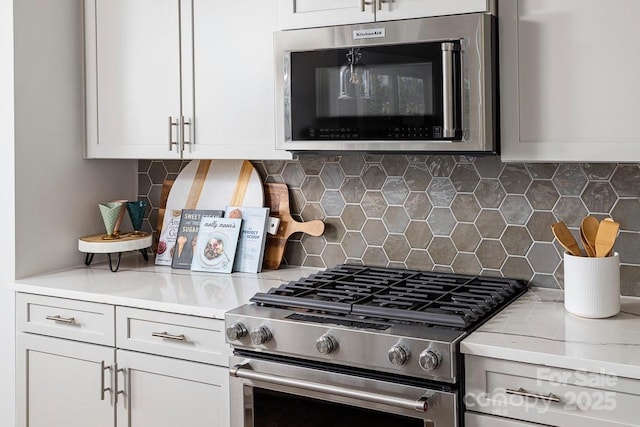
{"x": 396, "y": 295}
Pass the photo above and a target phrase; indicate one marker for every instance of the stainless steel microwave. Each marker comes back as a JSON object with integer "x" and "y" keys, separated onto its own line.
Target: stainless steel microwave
{"x": 418, "y": 85}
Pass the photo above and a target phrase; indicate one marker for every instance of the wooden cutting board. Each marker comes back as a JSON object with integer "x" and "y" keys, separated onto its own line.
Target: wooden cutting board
{"x": 277, "y": 199}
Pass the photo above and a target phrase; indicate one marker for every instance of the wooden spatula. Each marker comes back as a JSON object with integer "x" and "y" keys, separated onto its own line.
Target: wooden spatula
{"x": 565, "y": 238}
{"x": 606, "y": 237}
{"x": 588, "y": 230}
{"x": 277, "y": 198}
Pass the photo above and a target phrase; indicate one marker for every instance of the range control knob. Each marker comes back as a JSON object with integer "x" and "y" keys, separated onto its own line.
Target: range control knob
{"x": 236, "y": 331}
{"x": 429, "y": 360}
{"x": 326, "y": 344}
{"x": 398, "y": 355}
{"x": 261, "y": 335}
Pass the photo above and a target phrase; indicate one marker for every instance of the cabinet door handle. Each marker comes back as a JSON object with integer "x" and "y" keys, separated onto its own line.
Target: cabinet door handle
{"x": 68, "y": 320}
{"x": 522, "y": 392}
{"x": 363, "y": 4}
{"x": 185, "y": 135}
{"x": 103, "y": 389}
{"x": 115, "y": 381}
{"x": 380, "y": 4}
{"x": 167, "y": 336}
{"x": 172, "y": 123}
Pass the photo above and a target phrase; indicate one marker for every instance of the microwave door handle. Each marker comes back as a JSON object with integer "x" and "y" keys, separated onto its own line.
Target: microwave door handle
{"x": 448, "y": 81}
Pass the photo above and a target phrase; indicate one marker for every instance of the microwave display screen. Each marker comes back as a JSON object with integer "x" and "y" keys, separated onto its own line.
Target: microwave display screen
{"x": 370, "y": 92}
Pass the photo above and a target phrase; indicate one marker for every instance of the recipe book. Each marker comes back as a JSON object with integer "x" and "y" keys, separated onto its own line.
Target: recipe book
{"x": 187, "y": 235}
{"x": 167, "y": 240}
{"x": 216, "y": 246}
{"x": 253, "y": 237}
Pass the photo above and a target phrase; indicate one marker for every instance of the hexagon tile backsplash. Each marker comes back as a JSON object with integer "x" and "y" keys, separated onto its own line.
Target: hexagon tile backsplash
{"x": 468, "y": 215}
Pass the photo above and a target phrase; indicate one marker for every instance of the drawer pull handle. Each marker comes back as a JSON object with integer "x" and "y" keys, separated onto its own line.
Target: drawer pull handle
{"x": 69, "y": 320}
{"x": 168, "y": 336}
{"x": 522, "y": 392}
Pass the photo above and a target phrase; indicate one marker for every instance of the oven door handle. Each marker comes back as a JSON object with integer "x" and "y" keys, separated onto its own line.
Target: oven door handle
{"x": 419, "y": 405}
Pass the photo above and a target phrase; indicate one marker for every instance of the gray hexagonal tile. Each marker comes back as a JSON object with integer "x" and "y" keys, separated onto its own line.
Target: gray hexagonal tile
{"x": 417, "y": 158}
{"x": 353, "y": 244}
{"x": 294, "y": 253}
{"x": 625, "y": 180}
{"x": 144, "y": 184}
{"x": 144, "y": 165}
{"x": 516, "y": 268}
{"x": 395, "y": 219}
{"x": 545, "y": 281}
{"x": 515, "y": 209}
{"x": 374, "y": 256}
{"x": 570, "y": 210}
{"x": 352, "y": 189}
{"x": 464, "y": 177}
{"x": 334, "y": 230}
{"x": 542, "y": 194}
{"x": 465, "y": 237}
{"x": 417, "y": 205}
{"x": 490, "y": 223}
{"x": 543, "y": 258}
{"x": 372, "y": 158}
{"x": 332, "y": 203}
{"x": 598, "y": 171}
{"x": 313, "y": 245}
{"x": 312, "y": 165}
{"x": 314, "y": 261}
{"x": 312, "y": 211}
{"x": 417, "y": 177}
{"x": 516, "y": 240}
{"x": 627, "y": 213}
{"x": 465, "y": 207}
{"x": 396, "y": 247}
{"x": 559, "y": 274}
{"x": 373, "y": 176}
{"x": 157, "y": 172}
{"x": 374, "y": 232}
{"x": 569, "y": 179}
{"x": 332, "y": 176}
{"x": 173, "y": 166}
{"x": 353, "y": 217}
{"x": 296, "y": 201}
{"x": 293, "y": 174}
{"x": 515, "y": 178}
{"x": 442, "y": 251}
{"x": 274, "y": 167}
{"x": 440, "y": 166}
{"x": 539, "y": 226}
{"x": 630, "y": 280}
{"x": 419, "y": 260}
{"x": 441, "y": 221}
{"x": 466, "y": 264}
{"x": 333, "y": 255}
{"x": 443, "y": 269}
{"x": 312, "y": 189}
{"x": 489, "y": 166}
{"x": 418, "y": 234}
{"x": 395, "y": 191}
{"x": 489, "y": 193}
{"x": 598, "y": 196}
{"x": 491, "y": 254}
{"x": 541, "y": 170}
{"x": 395, "y": 164}
{"x": 441, "y": 192}
{"x": 374, "y": 204}
{"x": 274, "y": 178}
{"x": 352, "y": 164}
{"x": 627, "y": 245}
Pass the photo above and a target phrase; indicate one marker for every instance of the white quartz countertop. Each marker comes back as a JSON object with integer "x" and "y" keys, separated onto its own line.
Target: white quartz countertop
{"x": 144, "y": 285}
{"x": 537, "y": 329}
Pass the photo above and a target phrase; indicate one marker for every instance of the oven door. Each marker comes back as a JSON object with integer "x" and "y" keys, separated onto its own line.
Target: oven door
{"x": 266, "y": 393}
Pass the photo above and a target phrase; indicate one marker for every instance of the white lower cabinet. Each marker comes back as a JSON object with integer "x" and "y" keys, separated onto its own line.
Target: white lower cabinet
{"x": 508, "y": 393}
{"x": 161, "y": 370}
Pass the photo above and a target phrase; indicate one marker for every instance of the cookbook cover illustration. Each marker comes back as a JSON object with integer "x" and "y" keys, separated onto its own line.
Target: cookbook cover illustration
{"x": 216, "y": 245}
{"x": 253, "y": 237}
{"x": 167, "y": 240}
{"x": 187, "y": 235}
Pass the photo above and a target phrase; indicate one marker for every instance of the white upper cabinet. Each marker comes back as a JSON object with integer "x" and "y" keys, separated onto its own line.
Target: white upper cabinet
{"x": 569, "y": 80}
{"x": 180, "y": 79}
{"x": 320, "y": 13}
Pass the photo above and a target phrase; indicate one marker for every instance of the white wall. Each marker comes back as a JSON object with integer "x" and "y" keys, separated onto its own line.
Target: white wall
{"x": 7, "y": 216}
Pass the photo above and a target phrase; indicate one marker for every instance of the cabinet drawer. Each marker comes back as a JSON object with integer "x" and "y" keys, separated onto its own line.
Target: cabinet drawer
{"x": 65, "y": 318}
{"x": 175, "y": 335}
{"x": 551, "y": 396}
{"x": 478, "y": 420}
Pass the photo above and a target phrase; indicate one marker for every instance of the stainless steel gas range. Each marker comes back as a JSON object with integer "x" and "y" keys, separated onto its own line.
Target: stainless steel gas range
{"x": 358, "y": 346}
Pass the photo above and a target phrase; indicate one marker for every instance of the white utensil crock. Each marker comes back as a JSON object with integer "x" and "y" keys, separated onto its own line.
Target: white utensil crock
{"x": 592, "y": 286}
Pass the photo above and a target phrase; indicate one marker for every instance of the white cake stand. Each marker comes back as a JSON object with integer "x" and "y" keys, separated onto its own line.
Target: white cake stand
{"x": 97, "y": 244}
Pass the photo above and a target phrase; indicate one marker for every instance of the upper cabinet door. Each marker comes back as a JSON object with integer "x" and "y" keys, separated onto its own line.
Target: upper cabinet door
{"x": 321, "y": 13}
{"x": 133, "y": 77}
{"x": 569, "y": 82}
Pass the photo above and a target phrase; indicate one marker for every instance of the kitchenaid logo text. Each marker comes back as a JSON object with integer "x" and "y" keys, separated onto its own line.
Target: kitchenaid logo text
{"x": 373, "y": 33}
{"x": 552, "y": 390}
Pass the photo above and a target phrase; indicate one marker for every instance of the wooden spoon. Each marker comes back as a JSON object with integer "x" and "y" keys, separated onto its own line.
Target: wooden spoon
{"x": 565, "y": 238}
{"x": 588, "y": 230}
{"x": 606, "y": 237}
